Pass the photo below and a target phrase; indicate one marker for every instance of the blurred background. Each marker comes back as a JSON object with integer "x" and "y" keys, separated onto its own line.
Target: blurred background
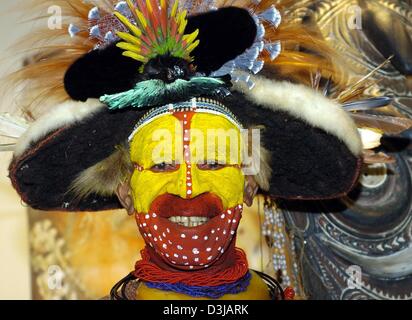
{"x": 14, "y": 244}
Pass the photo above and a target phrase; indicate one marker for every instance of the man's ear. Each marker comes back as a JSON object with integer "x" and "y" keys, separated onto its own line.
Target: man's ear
{"x": 251, "y": 189}
{"x": 125, "y": 198}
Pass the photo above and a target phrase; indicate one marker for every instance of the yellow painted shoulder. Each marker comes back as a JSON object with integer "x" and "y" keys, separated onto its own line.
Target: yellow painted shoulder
{"x": 257, "y": 290}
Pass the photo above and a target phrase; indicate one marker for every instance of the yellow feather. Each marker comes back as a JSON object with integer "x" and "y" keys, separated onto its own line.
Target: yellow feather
{"x": 149, "y": 6}
{"x": 174, "y": 9}
{"x": 163, "y": 4}
{"x": 128, "y": 47}
{"x": 134, "y": 56}
{"x": 182, "y": 26}
{"x": 182, "y": 16}
{"x": 128, "y": 38}
{"x": 190, "y": 48}
{"x": 135, "y": 30}
{"x": 130, "y": 4}
{"x": 141, "y": 18}
{"x": 189, "y": 38}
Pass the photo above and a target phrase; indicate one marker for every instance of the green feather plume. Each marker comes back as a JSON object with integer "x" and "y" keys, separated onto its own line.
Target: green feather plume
{"x": 156, "y": 92}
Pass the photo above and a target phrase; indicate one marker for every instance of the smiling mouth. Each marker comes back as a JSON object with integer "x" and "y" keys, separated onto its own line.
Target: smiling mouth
{"x": 189, "y": 221}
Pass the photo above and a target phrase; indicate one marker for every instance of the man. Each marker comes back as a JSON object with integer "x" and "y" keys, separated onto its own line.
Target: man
{"x": 169, "y": 89}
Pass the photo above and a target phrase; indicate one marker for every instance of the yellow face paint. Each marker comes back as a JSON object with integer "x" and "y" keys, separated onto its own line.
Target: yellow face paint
{"x": 188, "y": 187}
{"x": 212, "y": 138}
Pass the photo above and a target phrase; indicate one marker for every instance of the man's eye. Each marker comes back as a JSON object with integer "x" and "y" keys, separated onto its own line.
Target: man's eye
{"x": 214, "y": 165}
{"x": 164, "y": 167}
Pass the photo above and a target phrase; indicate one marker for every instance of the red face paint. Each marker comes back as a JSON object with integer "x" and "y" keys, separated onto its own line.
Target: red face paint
{"x": 189, "y": 248}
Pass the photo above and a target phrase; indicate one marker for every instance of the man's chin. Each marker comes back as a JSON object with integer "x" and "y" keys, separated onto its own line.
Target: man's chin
{"x": 189, "y": 234}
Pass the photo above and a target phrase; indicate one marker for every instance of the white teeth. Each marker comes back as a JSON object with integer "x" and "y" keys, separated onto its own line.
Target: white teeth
{"x": 189, "y": 221}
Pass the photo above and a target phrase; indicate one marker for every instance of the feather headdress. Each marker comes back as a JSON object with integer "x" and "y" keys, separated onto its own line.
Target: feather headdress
{"x": 157, "y": 30}
{"x": 111, "y": 41}
{"x": 43, "y": 77}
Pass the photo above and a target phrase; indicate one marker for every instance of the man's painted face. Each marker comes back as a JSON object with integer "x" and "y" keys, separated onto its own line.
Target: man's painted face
{"x": 188, "y": 186}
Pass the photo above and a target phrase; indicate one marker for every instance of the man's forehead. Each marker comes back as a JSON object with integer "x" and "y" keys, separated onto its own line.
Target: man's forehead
{"x": 174, "y": 123}
{"x": 199, "y": 135}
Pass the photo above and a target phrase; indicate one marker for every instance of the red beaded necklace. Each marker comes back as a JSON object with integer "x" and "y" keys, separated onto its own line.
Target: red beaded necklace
{"x": 147, "y": 271}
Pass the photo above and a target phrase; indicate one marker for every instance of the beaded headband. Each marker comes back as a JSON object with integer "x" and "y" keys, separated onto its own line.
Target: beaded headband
{"x": 198, "y": 105}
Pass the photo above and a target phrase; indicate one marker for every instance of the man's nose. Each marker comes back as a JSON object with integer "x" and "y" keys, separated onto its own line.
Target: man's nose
{"x": 184, "y": 183}
{"x": 198, "y": 184}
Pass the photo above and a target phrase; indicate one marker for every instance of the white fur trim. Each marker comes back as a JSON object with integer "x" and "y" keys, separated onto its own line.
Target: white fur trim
{"x": 306, "y": 104}
{"x": 64, "y": 114}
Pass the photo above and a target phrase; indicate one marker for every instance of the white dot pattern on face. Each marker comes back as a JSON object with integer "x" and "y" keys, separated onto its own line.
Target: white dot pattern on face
{"x": 186, "y": 146}
{"x": 197, "y": 255}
